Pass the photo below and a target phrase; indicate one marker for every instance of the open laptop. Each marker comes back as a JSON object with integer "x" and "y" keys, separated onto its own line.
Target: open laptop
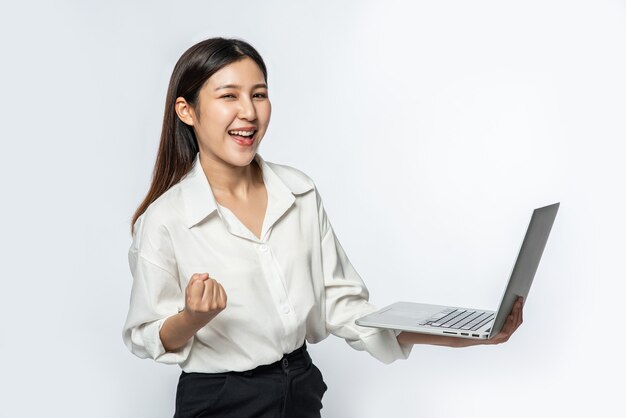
{"x": 473, "y": 323}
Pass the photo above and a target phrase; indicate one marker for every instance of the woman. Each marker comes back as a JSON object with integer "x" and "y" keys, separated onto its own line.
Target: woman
{"x": 234, "y": 261}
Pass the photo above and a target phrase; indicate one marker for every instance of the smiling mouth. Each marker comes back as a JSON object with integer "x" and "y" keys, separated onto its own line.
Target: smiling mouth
{"x": 242, "y": 134}
{"x": 245, "y": 138}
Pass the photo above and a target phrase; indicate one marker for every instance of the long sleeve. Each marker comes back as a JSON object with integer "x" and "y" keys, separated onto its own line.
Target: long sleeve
{"x": 347, "y": 299}
{"x": 156, "y": 293}
{"x": 293, "y": 283}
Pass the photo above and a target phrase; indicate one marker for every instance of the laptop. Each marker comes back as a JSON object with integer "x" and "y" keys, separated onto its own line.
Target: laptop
{"x": 466, "y": 322}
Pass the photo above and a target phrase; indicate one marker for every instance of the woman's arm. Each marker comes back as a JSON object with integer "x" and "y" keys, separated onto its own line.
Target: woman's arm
{"x": 512, "y": 323}
{"x": 204, "y": 299}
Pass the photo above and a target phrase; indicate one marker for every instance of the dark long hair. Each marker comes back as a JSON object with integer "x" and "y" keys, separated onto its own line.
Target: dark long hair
{"x": 179, "y": 146}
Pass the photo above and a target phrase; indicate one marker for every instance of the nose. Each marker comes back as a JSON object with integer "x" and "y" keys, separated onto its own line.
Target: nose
{"x": 247, "y": 110}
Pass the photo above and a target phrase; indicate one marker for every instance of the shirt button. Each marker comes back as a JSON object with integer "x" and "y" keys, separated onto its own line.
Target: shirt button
{"x": 263, "y": 248}
{"x": 285, "y": 308}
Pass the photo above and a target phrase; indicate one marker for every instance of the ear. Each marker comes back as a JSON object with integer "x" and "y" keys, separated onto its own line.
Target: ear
{"x": 184, "y": 111}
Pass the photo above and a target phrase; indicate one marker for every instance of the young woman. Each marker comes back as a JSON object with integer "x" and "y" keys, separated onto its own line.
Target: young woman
{"x": 234, "y": 261}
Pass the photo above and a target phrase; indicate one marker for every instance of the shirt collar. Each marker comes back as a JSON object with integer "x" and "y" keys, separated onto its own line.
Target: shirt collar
{"x": 200, "y": 202}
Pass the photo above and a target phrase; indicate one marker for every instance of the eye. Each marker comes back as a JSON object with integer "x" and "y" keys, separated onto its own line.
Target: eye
{"x": 260, "y": 96}
{"x": 227, "y": 96}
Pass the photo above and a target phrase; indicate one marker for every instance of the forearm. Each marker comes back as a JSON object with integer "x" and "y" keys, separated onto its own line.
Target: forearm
{"x": 177, "y": 330}
{"x": 415, "y": 338}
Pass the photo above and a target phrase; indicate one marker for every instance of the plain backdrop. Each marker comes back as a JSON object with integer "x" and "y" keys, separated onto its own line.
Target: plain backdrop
{"x": 431, "y": 129}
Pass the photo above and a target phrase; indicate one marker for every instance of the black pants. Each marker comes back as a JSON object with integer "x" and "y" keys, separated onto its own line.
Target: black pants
{"x": 291, "y": 387}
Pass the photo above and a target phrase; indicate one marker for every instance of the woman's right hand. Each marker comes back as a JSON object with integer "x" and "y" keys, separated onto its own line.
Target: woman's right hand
{"x": 204, "y": 299}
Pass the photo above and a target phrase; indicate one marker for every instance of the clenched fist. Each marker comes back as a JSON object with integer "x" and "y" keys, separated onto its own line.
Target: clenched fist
{"x": 204, "y": 299}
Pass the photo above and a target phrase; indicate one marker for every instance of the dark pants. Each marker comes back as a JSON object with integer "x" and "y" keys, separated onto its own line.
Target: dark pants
{"x": 291, "y": 387}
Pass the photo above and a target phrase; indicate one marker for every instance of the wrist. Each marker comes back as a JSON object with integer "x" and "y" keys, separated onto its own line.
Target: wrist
{"x": 192, "y": 321}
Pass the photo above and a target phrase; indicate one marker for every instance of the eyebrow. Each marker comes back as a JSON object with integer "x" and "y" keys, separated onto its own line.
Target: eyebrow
{"x": 237, "y": 86}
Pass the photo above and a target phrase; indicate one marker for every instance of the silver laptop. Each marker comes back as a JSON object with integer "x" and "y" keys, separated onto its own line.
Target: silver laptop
{"x": 473, "y": 323}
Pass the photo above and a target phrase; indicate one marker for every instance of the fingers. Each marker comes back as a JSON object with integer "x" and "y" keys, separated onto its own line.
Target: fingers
{"x": 222, "y": 297}
{"x": 513, "y": 322}
{"x": 215, "y": 291}
{"x": 205, "y": 294}
{"x": 517, "y": 313}
{"x": 195, "y": 288}
{"x": 213, "y": 295}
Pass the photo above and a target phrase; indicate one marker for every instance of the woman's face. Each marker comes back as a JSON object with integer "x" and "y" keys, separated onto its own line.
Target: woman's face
{"x": 233, "y": 113}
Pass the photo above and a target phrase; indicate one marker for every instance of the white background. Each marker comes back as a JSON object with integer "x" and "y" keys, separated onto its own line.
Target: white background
{"x": 432, "y": 129}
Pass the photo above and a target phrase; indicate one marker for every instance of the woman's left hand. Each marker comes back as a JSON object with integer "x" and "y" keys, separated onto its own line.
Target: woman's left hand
{"x": 512, "y": 323}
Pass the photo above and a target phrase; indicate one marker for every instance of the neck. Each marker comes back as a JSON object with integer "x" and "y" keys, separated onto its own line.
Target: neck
{"x": 230, "y": 180}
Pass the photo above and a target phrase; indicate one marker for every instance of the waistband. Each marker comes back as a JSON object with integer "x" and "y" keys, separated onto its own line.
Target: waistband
{"x": 297, "y": 359}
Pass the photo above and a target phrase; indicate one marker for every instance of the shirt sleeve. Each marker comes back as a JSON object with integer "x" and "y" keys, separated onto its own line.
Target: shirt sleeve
{"x": 347, "y": 299}
{"x": 156, "y": 293}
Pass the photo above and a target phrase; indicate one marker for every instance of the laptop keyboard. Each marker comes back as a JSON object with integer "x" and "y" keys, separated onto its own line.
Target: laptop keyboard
{"x": 458, "y": 319}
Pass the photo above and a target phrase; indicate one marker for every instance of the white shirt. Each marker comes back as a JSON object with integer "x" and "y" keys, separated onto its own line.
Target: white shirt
{"x": 294, "y": 283}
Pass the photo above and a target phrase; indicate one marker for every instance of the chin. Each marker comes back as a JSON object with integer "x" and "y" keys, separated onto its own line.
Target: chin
{"x": 240, "y": 159}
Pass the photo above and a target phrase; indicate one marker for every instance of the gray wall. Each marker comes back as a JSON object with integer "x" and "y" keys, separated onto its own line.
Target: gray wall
{"x": 431, "y": 129}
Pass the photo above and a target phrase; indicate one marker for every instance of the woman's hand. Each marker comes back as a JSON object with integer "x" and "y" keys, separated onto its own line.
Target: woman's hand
{"x": 513, "y": 321}
{"x": 204, "y": 299}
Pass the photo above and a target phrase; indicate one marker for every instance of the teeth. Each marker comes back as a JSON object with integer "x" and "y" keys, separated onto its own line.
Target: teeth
{"x": 242, "y": 133}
